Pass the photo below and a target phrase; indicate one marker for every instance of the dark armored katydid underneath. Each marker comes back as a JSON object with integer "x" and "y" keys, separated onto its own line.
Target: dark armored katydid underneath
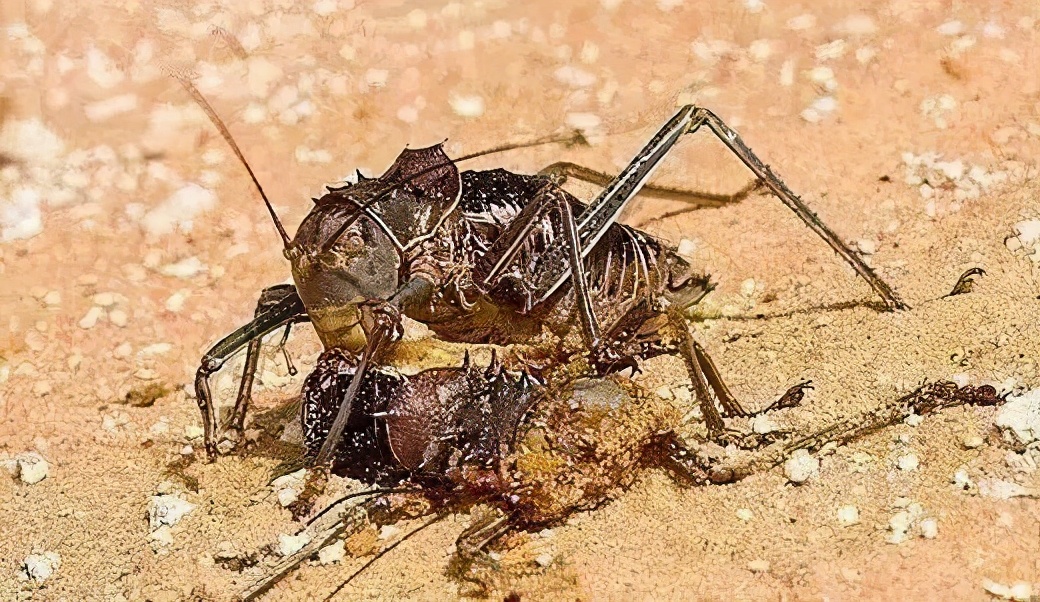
{"x": 495, "y": 257}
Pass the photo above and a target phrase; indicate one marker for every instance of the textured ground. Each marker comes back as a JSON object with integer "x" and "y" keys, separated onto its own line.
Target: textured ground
{"x": 132, "y": 239}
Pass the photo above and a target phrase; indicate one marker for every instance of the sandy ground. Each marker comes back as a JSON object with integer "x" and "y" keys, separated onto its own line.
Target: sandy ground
{"x": 133, "y": 240}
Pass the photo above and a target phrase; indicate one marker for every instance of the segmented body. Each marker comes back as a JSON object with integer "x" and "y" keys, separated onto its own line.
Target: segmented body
{"x": 438, "y": 223}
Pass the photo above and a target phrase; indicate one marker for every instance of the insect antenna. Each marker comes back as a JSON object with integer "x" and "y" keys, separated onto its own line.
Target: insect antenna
{"x": 384, "y": 551}
{"x": 219, "y": 124}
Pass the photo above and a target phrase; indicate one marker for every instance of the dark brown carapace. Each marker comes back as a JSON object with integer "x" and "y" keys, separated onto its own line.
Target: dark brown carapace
{"x": 473, "y": 434}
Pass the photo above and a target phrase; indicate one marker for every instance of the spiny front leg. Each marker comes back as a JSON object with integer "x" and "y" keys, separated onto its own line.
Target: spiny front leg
{"x": 278, "y": 306}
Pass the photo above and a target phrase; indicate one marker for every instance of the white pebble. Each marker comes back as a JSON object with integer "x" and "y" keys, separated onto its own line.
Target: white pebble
{"x": 287, "y": 496}
{"x": 801, "y": 22}
{"x": 408, "y": 114}
{"x": 193, "y": 431}
{"x": 575, "y": 77}
{"x": 787, "y": 73}
{"x": 762, "y": 424}
{"x": 20, "y": 216}
{"x": 583, "y": 121}
{"x": 908, "y": 462}
{"x": 175, "y": 302}
{"x": 913, "y": 420}
{"x": 687, "y": 247}
{"x": 167, "y": 510}
{"x": 831, "y": 50}
{"x": 40, "y": 567}
{"x": 156, "y": 349}
{"x": 291, "y": 544}
{"x": 32, "y": 468}
{"x": 118, "y": 318}
{"x": 929, "y": 528}
{"x": 30, "y": 141}
{"x": 758, "y": 566}
{"x": 745, "y": 514}
{"x": 950, "y": 28}
{"x": 388, "y": 531}
{"x": 185, "y": 268}
{"x": 1019, "y": 418}
{"x": 544, "y": 559}
{"x": 334, "y": 552}
{"x": 1003, "y": 490}
{"x": 858, "y": 25}
{"x": 1028, "y": 231}
{"x": 467, "y": 105}
{"x": 52, "y": 299}
{"x": 848, "y": 515}
{"x": 102, "y": 69}
{"x": 179, "y": 209}
{"x": 376, "y": 78}
{"x": 324, "y": 8}
{"x": 898, "y": 526}
{"x": 801, "y": 467}
{"x": 90, "y": 320}
{"x": 103, "y": 110}
{"x": 163, "y": 535}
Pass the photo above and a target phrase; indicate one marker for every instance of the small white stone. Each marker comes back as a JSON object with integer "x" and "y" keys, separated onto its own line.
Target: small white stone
{"x": 179, "y": 210}
{"x": 290, "y": 544}
{"x": 801, "y": 467}
{"x": 745, "y": 514}
{"x": 801, "y": 22}
{"x": 848, "y": 515}
{"x": 118, "y": 318}
{"x": 908, "y": 462}
{"x": 162, "y": 535}
{"x": 758, "y": 566}
{"x": 544, "y": 560}
{"x": 1021, "y": 591}
{"x": 574, "y": 77}
{"x": 287, "y": 496}
{"x": 175, "y": 302}
{"x": 104, "y": 110}
{"x": 997, "y": 589}
{"x": 687, "y": 247}
{"x": 1019, "y": 418}
{"x": 185, "y": 268}
{"x": 388, "y": 532}
{"x": 376, "y": 78}
{"x": 167, "y": 510}
{"x": 467, "y": 105}
{"x": 950, "y": 28}
{"x": 32, "y": 467}
{"x": 929, "y": 528}
{"x": 193, "y": 432}
{"x": 762, "y": 424}
{"x": 52, "y": 299}
{"x": 972, "y": 441}
{"x": 105, "y": 300}
{"x": 334, "y": 552}
{"x": 1003, "y": 490}
{"x": 90, "y": 320}
{"x": 898, "y": 526}
{"x": 102, "y": 69}
{"x": 867, "y": 246}
{"x": 913, "y": 420}
{"x": 858, "y": 25}
{"x": 787, "y": 73}
{"x": 324, "y": 8}
{"x": 40, "y": 567}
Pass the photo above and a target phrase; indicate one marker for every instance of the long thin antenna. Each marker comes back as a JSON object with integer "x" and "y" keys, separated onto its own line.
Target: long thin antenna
{"x": 219, "y": 124}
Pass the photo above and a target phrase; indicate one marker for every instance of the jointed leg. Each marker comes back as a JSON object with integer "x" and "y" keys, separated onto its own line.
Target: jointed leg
{"x": 594, "y": 222}
{"x": 562, "y": 170}
{"x": 278, "y": 306}
{"x": 730, "y": 138}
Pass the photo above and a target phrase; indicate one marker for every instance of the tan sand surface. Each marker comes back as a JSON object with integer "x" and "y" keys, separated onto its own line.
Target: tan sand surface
{"x": 842, "y": 98}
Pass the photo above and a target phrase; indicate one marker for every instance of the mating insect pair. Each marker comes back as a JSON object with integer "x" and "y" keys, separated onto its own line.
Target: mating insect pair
{"x": 448, "y": 440}
{"x": 494, "y": 257}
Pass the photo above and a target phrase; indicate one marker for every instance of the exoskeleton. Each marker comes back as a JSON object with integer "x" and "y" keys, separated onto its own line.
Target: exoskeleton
{"x": 497, "y": 257}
